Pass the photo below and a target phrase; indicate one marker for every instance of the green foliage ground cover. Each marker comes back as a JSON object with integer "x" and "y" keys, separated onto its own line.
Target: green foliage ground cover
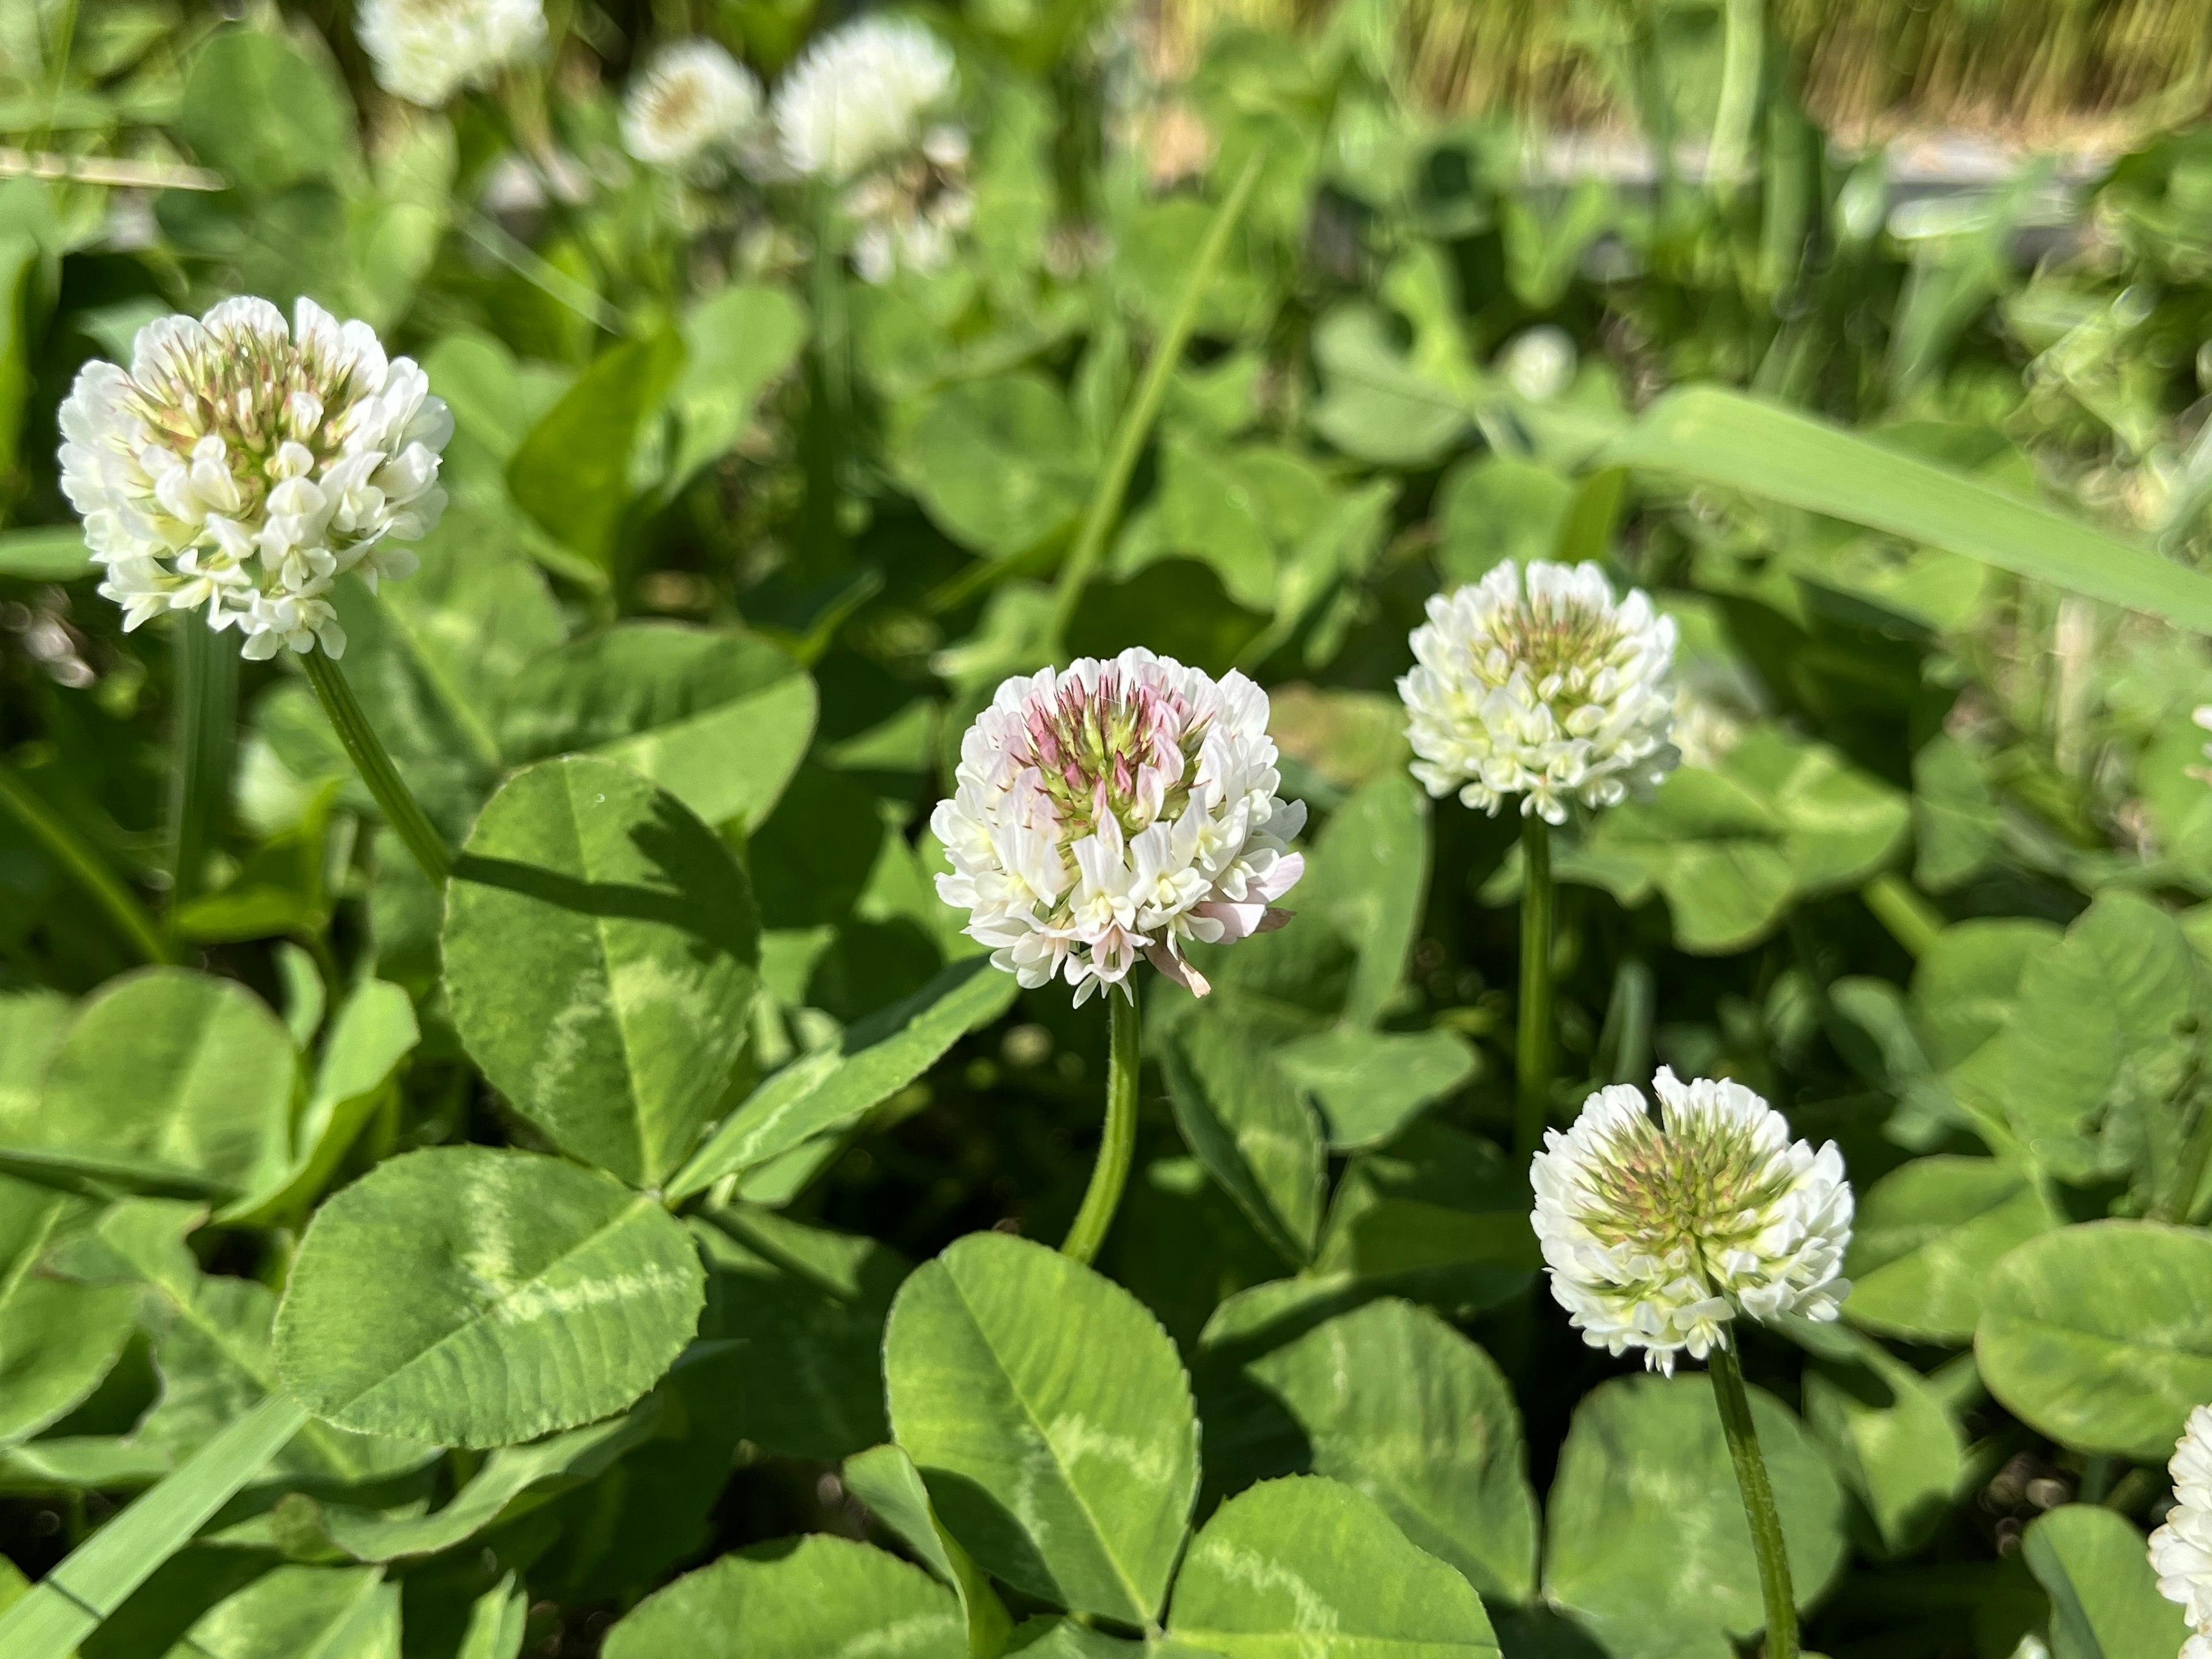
{"x": 641, "y": 1245}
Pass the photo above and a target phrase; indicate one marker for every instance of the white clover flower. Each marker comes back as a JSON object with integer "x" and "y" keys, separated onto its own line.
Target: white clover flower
{"x": 426, "y": 51}
{"x": 1538, "y": 363}
{"x": 1116, "y": 808}
{"x": 2203, "y": 717}
{"x": 909, "y": 213}
{"x": 859, "y": 96}
{"x": 239, "y": 466}
{"x": 691, "y": 98}
{"x": 1656, "y": 1234}
{"x": 2181, "y": 1550}
{"x": 1558, "y": 695}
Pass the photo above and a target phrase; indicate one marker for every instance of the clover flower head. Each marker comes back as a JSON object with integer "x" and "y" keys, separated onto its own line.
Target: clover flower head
{"x": 2181, "y": 1550}
{"x": 1657, "y": 1234}
{"x": 859, "y": 96}
{"x": 238, "y": 466}
{"x": 909, "y": 212}
{"x": 426, "y": 51}
{"x": 690, "y": 99}
{"x": 1113, "y": 810}
{"x": 1555, "y": 691}
{"x": 1538, "y": 363}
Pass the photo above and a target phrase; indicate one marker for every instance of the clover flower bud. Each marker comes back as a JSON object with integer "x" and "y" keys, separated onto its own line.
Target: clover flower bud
{"x": 2181, "y": 1549}
{"x": 693, "y": 97}
{"x": 426, "y": 51}
{"x": 239, "y": 466}
{"x": 1538, "y": 363}
{"x": 1555, "y": 694}
{"x": 1114, "y": 809}
{"x": 1657, "y": 1234}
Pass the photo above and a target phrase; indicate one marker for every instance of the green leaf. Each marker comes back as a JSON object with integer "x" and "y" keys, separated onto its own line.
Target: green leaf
{"x": 1492, "y": 508}
{"x": 1732, "y": 849}
{"x": 601, "y": 950}
{"x": 2104, "y": 1602}
{"x": 1745, "y": 443}
{"x": 1399, "y": 1404}
{"x": 1367, "y": 876}
{"x": 885, "y": 1479}
{"x": 58, "y": 1339}
{"x": 1956, "y": 817}
{"x": 172, "y": 1073}
{"x": 1378, "y": 404}
{"x": 998, "y": 463}
{"x": 2098, "y": 1029}
{"x": 1926, "y": 1238}
{"x": 477, "y": 1297}
{"x": 1645, "y": 1539}
{"x": 718, "y": 717}
{"x": 803, "y": 1598}
{"x": 99, "y": 1575}
{"x": 1892, "y": 1440}
{"x": 736, "y": 341}
{"x": 2101, "y": 1335}
{"x": 33, "y": 1024}
{"x": 374, "y": 1033}
{"x": 1049, "y": 1413}
{"x": 211, "y": 1349}
{"x": 1250, "y": 1125}
{"x": 1370, "y": 1085}
{"x": 572, "y": 473}
{"x": 301, "y": 125}
{"x": 806, "y": 1308}
{"x": 509, "y": 1476}
{"x": 499, "y": 1619}
{"x": 1308, "y": 1567}
{"x": 301, "y": 1613}
{"x": 873, "y": 1060}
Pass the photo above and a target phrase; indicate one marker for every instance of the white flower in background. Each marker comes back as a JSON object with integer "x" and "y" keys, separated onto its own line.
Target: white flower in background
{"x": 1657, "y": 1234}
{"x": 2181, "y": 1550}
{"x": 2203, "y": 719}
{"x": 1538, "y": 363}
{"x": 1557, "y": 695}
{"x": 1706, "y": 728}
{"x": 860, "y": 96}
{"x": 856, "y": 112}
{"x": 426, "y": 51}
{"x": 239, "y": 466}
{"x": 1117, "y": 809}
{"x": 691, "y": 98}
{"x": 909, "y": 213}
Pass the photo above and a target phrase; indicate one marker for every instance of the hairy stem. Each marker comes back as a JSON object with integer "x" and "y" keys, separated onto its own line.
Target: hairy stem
{"x": 1532, "y": 1051}
{"x": 1758, "y": 1503}
{"x": 366, "y": 749}
{"x": 1117, "y": 1146}
{"x": 85, "y": 867}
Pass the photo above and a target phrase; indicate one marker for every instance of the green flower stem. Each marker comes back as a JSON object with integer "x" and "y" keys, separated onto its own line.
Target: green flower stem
{"x": 1533, "y": 1047}
{"x": 1117, "y": 1146}
{"x": 366, "y": 749}
{"x": 2189, "y": 1174}
{"x": 1105, "y": 508}
{"x": 91, "y": 872}
{"x": 201, "y": 744}
{"x": 822, "y": 437}
{"x": 1758, "y": 1503}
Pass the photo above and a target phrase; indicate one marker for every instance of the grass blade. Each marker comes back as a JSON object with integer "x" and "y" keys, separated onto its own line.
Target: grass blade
{"x": 1743, "y": 443}
{"x": 73, "y": 1600}
{"x": 205, "y": 735}
{"x": 1105, "y": 508}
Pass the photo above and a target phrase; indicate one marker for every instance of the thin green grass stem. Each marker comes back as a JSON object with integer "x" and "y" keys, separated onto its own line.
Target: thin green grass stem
{"x": 85, "y": 867}
{"x": 1105, "y": 508}
{"x": 1531, "y": 1050}
{"x": 1117, "y": 1145}
{"x": 370, "y": 758}
{"x": 1758, "y": 1503}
